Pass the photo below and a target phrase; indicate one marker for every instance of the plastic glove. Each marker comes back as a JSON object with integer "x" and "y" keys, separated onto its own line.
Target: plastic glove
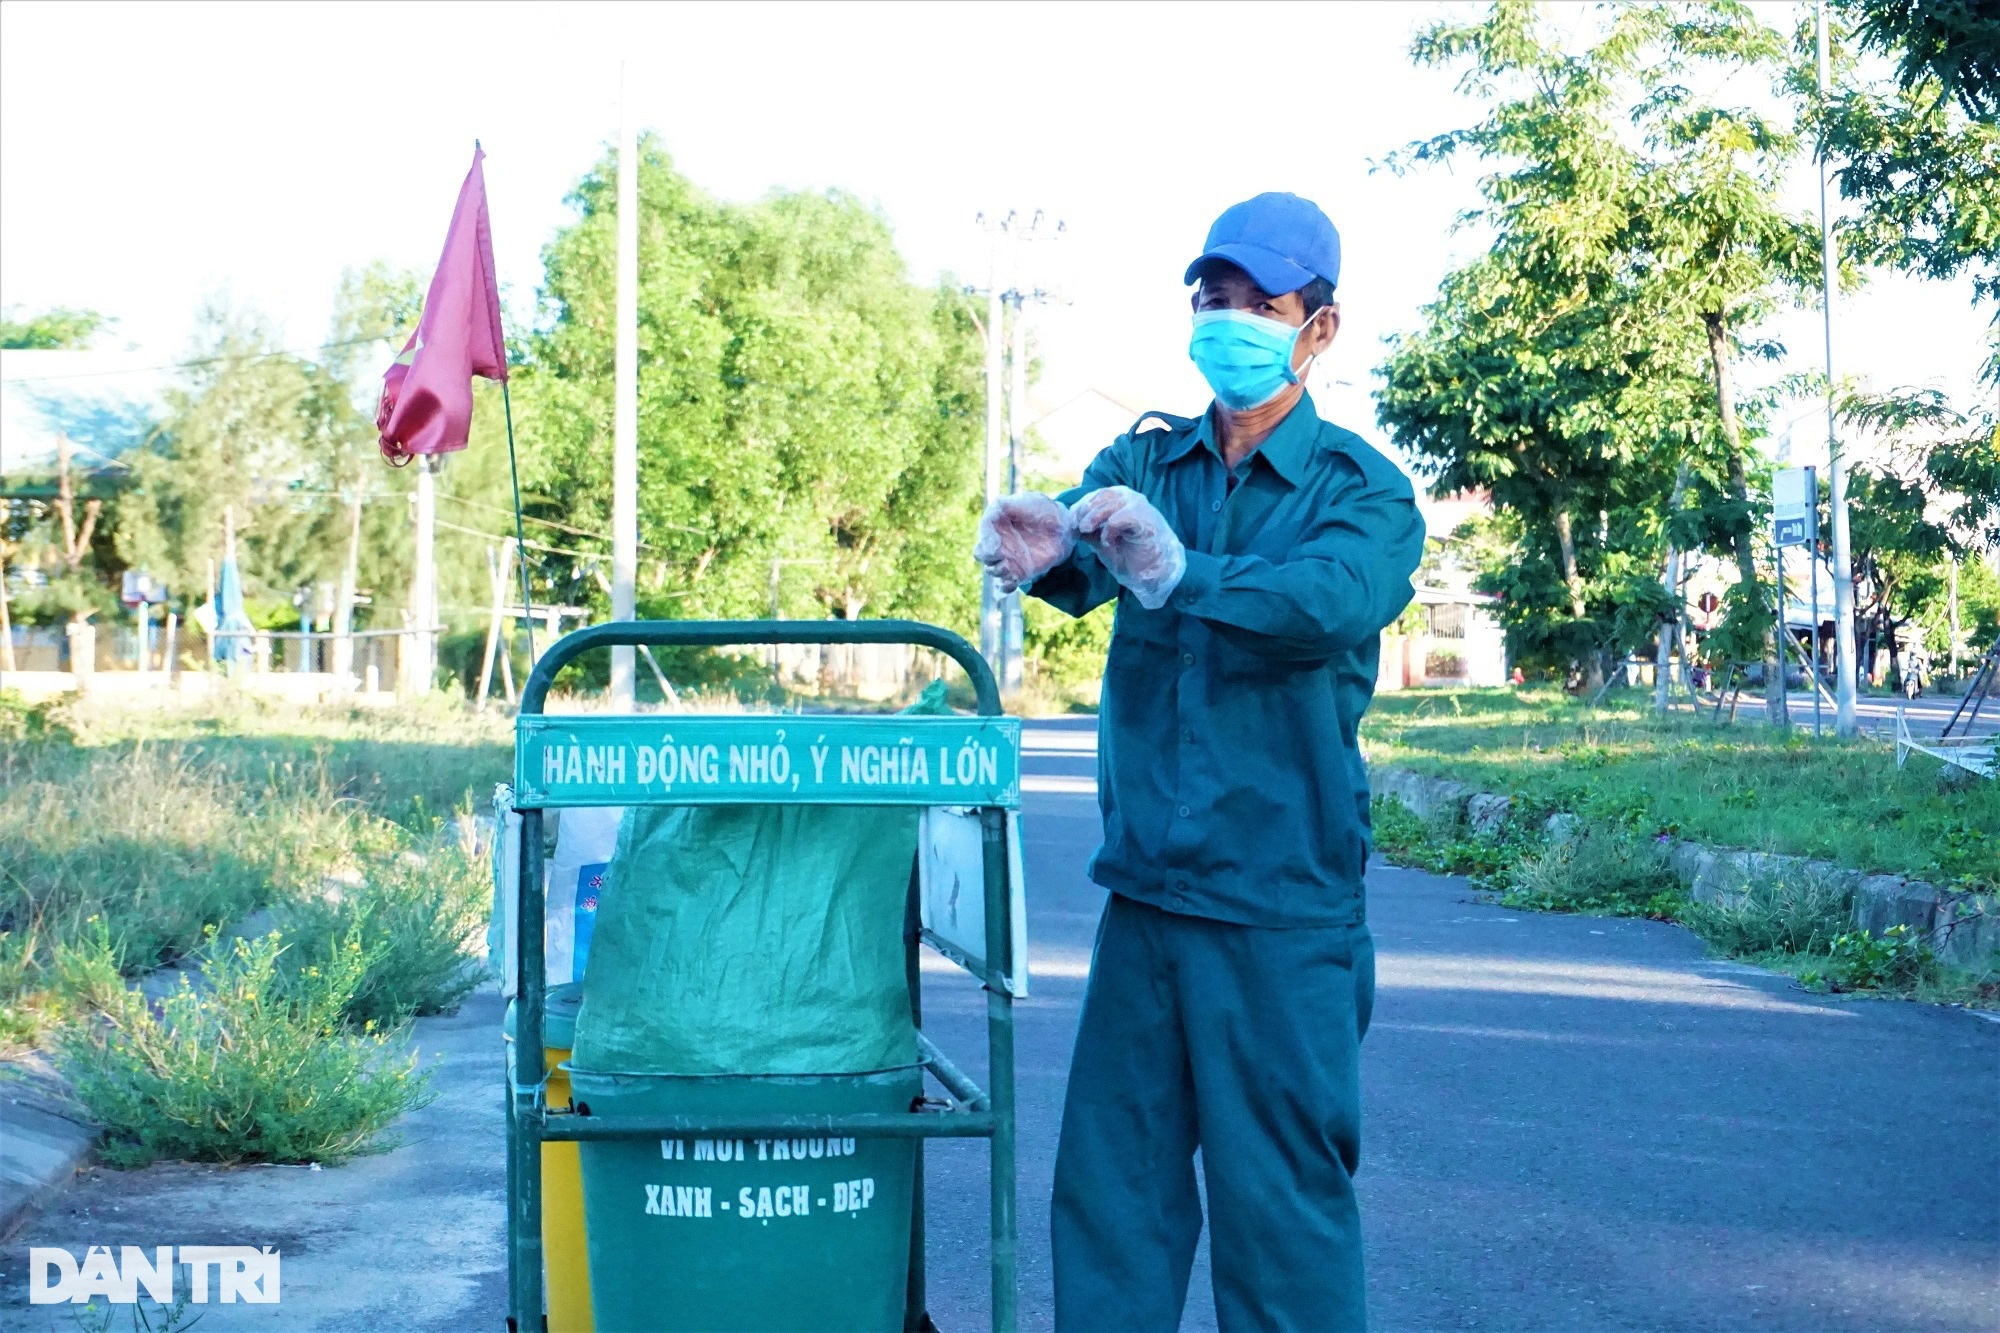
{"x": 1022, "y": 537}
{"x": 1134, "y": 541}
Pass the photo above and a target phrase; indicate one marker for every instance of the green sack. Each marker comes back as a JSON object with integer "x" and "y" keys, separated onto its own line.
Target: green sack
{"x": 752, "y": 940}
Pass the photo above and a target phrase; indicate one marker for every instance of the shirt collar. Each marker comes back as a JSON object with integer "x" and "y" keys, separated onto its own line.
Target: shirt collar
{"x": 1287, "y": 449}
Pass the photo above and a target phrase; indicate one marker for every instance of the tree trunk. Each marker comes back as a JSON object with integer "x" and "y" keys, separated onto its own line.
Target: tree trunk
{"x": 1739, "y": 490}
{"x": 1566, "y": 547}
{"x": 1591, "y": 666}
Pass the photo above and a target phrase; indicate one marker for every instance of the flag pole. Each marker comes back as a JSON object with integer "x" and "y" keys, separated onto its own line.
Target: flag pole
{"x": 520, "y": 533}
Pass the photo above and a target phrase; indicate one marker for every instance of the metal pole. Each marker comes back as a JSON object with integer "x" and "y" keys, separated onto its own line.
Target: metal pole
{"x": 1783, "y": 696}
{"x": 989, "y": 595}
{"x": 625, "y": 374}
{"x": 1000, "y": 1069}
{"x": 1013, "y": 631}
{"x": 419, "y": 668}
{"x": 1836, "y": 466}
{"x": 525, "y": 1089}
{"x": 1952, "y": 614}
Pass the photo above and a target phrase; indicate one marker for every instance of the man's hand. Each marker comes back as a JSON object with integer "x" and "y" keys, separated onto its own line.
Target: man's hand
{"x": 1022, "y": 537}
{"x": 1134, "y": 541}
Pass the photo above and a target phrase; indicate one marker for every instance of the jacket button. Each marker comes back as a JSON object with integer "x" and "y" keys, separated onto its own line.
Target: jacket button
{"x": 1185, "y": 812}
{"x": 1187, "y": 659}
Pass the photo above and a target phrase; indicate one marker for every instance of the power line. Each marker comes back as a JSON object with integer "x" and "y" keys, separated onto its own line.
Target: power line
{"x": 202, "y": 361}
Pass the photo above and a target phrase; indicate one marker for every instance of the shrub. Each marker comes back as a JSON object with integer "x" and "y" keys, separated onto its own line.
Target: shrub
{"x": 1443, "y": 846}
{"x": 1894, "y": 960}
{"x": 1604, "y": 870}
{"x": 1799, "y": 910}
{"x": 414, "y": 917}
{"x": 238, "y": 1068}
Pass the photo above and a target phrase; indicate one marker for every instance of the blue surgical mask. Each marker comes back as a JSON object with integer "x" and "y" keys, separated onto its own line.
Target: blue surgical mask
{"x": 1245, "y": 358}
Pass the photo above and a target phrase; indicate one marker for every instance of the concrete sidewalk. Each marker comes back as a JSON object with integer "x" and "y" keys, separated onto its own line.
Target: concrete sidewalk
{"x": 410, "y": 1240}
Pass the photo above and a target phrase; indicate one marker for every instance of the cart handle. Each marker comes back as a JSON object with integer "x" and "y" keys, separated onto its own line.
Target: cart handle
{"x": 717, "y": 633}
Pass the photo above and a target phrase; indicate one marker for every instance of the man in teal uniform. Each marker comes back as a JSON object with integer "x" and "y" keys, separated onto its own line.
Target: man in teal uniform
{"x": 1255, "y": 554}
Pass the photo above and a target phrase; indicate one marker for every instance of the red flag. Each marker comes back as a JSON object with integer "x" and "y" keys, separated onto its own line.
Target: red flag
{"x": 427, "y": 394}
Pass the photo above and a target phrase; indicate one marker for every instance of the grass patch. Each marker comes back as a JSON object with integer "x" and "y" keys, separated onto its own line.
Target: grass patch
{"x": 414, "y": 918}
{"x": 1792, "y": 919}
{"x": 243, "y": 1067}
{"x": 1606, "y": 871}
{"x": 160, "y": 828}
{"x": 1745, "y": 785}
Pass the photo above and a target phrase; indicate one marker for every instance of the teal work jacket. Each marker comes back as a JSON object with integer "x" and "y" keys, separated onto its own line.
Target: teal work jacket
{"x": 1229, "y": 767}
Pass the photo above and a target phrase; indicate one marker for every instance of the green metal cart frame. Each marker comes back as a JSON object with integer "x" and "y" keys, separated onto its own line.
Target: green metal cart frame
{"x": 972, "y": 1112}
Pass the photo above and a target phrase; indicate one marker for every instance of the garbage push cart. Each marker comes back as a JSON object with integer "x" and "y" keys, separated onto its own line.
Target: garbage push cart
{"x": 835, "y": 1239}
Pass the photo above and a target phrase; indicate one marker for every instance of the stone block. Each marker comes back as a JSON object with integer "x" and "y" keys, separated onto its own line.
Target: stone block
{"x": 1444, "y": 800}
{"x": 1397, "y": 783}
{"x": 1486, "y": 813}
{"x": 1720, "y": 878}
{"x": 1967, "y": 933}
{"x": 1882, "y": 902}
{"x": 1563, "y": 828}
{"x": 1686, "y": 859}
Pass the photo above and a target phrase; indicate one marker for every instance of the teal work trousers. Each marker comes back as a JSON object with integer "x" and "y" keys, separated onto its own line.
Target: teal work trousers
{"x": 1243, "y": 1041}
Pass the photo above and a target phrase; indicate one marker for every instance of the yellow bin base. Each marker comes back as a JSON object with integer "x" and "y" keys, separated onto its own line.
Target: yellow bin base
{"x": 565, "y": 1255}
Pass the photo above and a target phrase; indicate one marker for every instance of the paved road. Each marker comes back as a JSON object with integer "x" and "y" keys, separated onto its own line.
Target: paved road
{"x": 1571, "y": 1124}
{"x": 1928, "y": 714}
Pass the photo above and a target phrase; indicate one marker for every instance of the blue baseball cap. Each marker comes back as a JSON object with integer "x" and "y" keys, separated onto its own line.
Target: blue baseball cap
{"x": 1282, "y": 241}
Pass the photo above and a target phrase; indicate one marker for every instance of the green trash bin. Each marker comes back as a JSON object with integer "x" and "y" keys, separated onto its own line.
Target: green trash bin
{"x": 804, "y": 1235}
{"x": 749, "y": 962}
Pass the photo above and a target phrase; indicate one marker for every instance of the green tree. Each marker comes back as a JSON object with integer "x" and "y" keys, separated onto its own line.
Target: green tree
{"x": 236, "y": 441}
{"x": 1917, "y": 154}
{"x": 1582, "y": 369}
{"x": 1541, "y": 373}
{"x": 806, "y": 412}
{"x": 50, "y": 330}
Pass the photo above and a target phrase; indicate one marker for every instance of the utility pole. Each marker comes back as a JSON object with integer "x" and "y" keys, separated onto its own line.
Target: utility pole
{"x": 420, "y": 666}
{"x": 1001, "y": 629}
{"x": 343, "y": 601}
{"x": 625, "y": 411}
{"x": 990, "y": 638}
{"x": 1013, "y": 633}
{"x": 1836, "y": 466}
{"x": 1952, "y": 611}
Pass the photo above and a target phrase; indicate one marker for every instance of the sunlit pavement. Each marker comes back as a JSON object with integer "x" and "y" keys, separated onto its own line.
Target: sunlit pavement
{"x": 1571, "y": 1124}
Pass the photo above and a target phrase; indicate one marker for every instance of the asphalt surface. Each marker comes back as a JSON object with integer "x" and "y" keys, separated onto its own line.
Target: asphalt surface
{"x": 1570, "y": 1124}
{"x": 1928, "y": 714}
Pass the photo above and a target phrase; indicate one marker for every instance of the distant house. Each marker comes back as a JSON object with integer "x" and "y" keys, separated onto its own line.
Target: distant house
{"x": 1449, "y": 637}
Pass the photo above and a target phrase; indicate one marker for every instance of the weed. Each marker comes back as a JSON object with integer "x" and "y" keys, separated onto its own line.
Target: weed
{"x": 413, "y": 915}
{"x": 164, "y": 825}
{"x": 1798, "y": 911}
{"x": 90, "y": 1317}
{"x": 1443, "y": 846}
{"x": 1601, "y": 870}
{"x": 1895, "y": 960}
{"x": 239, "y": 1068}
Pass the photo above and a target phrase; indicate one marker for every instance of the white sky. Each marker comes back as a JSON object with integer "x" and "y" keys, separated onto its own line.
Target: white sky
{"x": 153, "y": 154}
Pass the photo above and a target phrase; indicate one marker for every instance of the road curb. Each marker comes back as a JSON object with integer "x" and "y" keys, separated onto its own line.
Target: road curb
{"x": 1962, "y": 929}
{"x": 44, "y": 1138}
